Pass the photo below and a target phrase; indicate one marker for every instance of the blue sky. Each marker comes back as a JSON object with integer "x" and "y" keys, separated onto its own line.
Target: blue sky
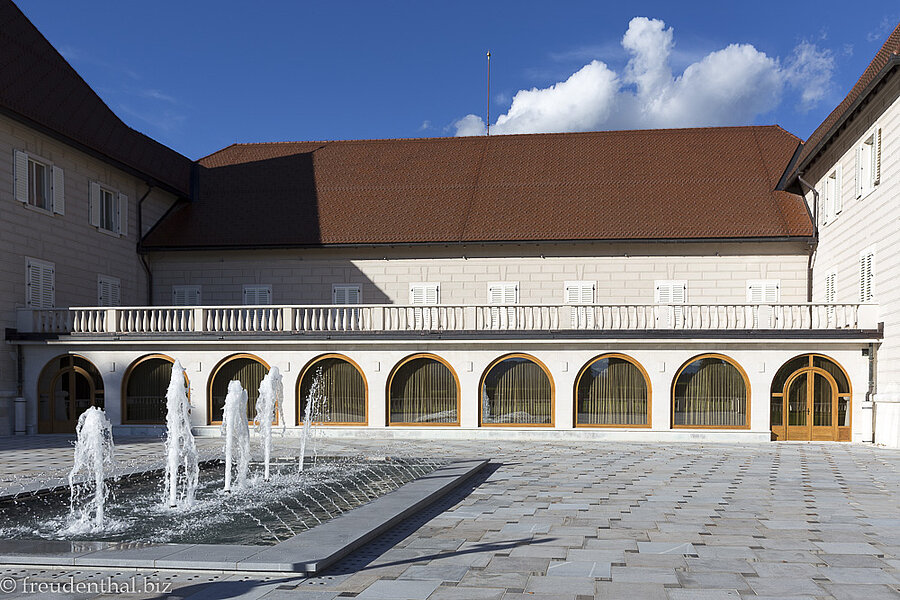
{"x": 200, "y": 75}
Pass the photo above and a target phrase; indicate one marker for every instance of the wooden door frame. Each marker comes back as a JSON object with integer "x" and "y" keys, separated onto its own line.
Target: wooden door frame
{"x": 811, "y": 372}
{"x": 70, "y": 370}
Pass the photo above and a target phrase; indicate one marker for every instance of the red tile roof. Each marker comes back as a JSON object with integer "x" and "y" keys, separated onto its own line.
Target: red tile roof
{"x": 39, "y": 86}
{"x": 704, "y": 183}
{"x": 888, "y": 55}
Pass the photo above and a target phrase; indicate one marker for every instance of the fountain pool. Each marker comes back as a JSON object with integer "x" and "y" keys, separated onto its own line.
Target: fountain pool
{"x": 260, "y": 513}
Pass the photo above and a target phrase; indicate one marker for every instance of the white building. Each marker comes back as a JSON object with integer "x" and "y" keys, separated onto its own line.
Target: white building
{"x": 665, "y": 284}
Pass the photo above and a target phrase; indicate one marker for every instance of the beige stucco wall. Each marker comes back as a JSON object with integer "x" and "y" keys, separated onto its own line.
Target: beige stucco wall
{"x": 870, "y": 222}
{"x": 625, "y": 273}
{"x": 79, "y": 251}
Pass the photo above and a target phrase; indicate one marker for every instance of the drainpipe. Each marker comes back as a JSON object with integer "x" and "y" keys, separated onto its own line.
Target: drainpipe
{"x": 144, "y": 263}
{"x": 873, "y": 384}
{"x": 812, "y": 248}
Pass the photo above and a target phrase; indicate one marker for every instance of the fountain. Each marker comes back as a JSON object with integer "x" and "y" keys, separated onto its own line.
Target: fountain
{"x": 93, "y": 457}
{"x": 181, "y": 450}
{"x": 237, "y": 434}
{"x": 270, "y": 402}
{"x": 310, "y": 414}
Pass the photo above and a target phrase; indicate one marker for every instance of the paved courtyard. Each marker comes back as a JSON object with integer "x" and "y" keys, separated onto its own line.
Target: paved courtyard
{"x": 565, "y": 520}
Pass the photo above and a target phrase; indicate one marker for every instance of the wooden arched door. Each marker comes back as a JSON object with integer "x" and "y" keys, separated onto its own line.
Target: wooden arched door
{"x": 810, "y": 400}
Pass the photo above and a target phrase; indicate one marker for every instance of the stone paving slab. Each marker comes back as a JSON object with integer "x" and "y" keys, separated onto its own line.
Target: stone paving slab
{"x": 615, "y": 520}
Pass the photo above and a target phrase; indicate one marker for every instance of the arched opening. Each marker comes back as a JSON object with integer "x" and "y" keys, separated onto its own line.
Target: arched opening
{"x": 144, "y": 389}
{"x": 711, "y": 391}
{"x": 68, "y": 385}
{"x": 612, "y": 390}
{"x": 810, "y": 400}
{"x": 246, "y": 368}
{"x": 423, "y": 390}
{"x": 516, "y": 390}
{"x": 341, "y": 391}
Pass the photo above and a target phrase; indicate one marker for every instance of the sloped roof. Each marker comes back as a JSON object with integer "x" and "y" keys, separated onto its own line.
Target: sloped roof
{"x": 704, "y": 183}
{"x": 889, "y": 54}
{"x": 37, "y": 84}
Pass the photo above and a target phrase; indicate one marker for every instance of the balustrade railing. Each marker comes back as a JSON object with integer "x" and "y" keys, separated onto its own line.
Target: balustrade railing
{"x": 388, "y": 318}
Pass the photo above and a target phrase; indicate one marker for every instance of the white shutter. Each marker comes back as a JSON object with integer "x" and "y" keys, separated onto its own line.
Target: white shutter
{"x": 40, "y": 280}
{"x": 827, "y": 199}
{"x": 581, "y": 292}
{"x": 423, "y": 293}
{"x": 838, "y": 191}
{"x": 59, "y": 191}
{"x": 866, "y": 276}
{"x": 95, "y": 204}
{"x": 108, "y": 291}
{"x": 506, "y": 293}
{"x": 345, "y": 294}
{"x": 20, "y": 175}
{"x": 185, "y": 295}
{"x": 123, "y": 214}
{"x": 671, "y": 292}
{"x": 257, "y": 295}
{"x": 876, "y": 157}
{"x": 763, "y": 291}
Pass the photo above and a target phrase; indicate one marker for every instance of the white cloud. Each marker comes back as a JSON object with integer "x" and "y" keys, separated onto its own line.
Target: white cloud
{"x": 731, "y": 86}
{"x": 809, "y": 70}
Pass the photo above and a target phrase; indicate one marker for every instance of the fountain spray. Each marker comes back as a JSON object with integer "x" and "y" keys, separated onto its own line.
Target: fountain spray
{"x": 181, "y": 450}
{"x": 309, "y": 415}
{"x": 237, "y": 433}
{"x": 270, "y": 402}
{"x": 94, "y": 450}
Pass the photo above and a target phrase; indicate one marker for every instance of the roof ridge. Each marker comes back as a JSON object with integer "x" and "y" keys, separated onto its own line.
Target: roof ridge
{"x": 507, "y": 136}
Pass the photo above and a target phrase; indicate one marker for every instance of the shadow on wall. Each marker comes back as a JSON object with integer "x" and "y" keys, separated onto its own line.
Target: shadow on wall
{"x": 279, "y": 211}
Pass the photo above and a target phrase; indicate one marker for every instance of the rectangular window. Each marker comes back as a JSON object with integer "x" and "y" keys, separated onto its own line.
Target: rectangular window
{"x": 867, "y": 276}
{"x": 109, "y": 291}
{"x": 345, "y": 294}
{"x": 38, "y": 183}
{"x": 424, "y": 293}
{"x": 670, "y": 292}
{"x": 831, "y": 196}
{"x": 40, "y": 283}
{"x": 504, "y": 293}
{"x": 868, "y": 163}
{"x": 108, "y": 209}
{"x": 257, "y": 294}
{"x": 185, "y": 295}
{"x": 763, "y": 291}
{"x": 581, "y": 292}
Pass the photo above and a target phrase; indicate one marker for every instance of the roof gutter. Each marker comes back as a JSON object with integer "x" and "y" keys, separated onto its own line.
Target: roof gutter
{"x": 892, "y": 62}
{"x": 760, "y": 239}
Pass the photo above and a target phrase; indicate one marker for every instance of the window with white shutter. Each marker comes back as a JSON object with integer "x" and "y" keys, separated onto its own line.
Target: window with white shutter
{"x": 868, "y": 163}
{"x": 108, "y": 209}
{"x": 832, "y": 203}
{"x": 38, "y": 183}
{"x": 830, "y": 294}
{"x": 867, "y": 276}
{"x": 40, "y": 283}
{"x": 185, "y": 295}
{"x": 255, "y": 295}
{"x": 423, "y": 293}
{"x": 763, "y": 291}
{"x": 670, "y": 292}
{"x": 506, "y": 293}
{"x": 345, "y": 294}
{"x": 109, "y": 291}
{"x": 583, "y": 293}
